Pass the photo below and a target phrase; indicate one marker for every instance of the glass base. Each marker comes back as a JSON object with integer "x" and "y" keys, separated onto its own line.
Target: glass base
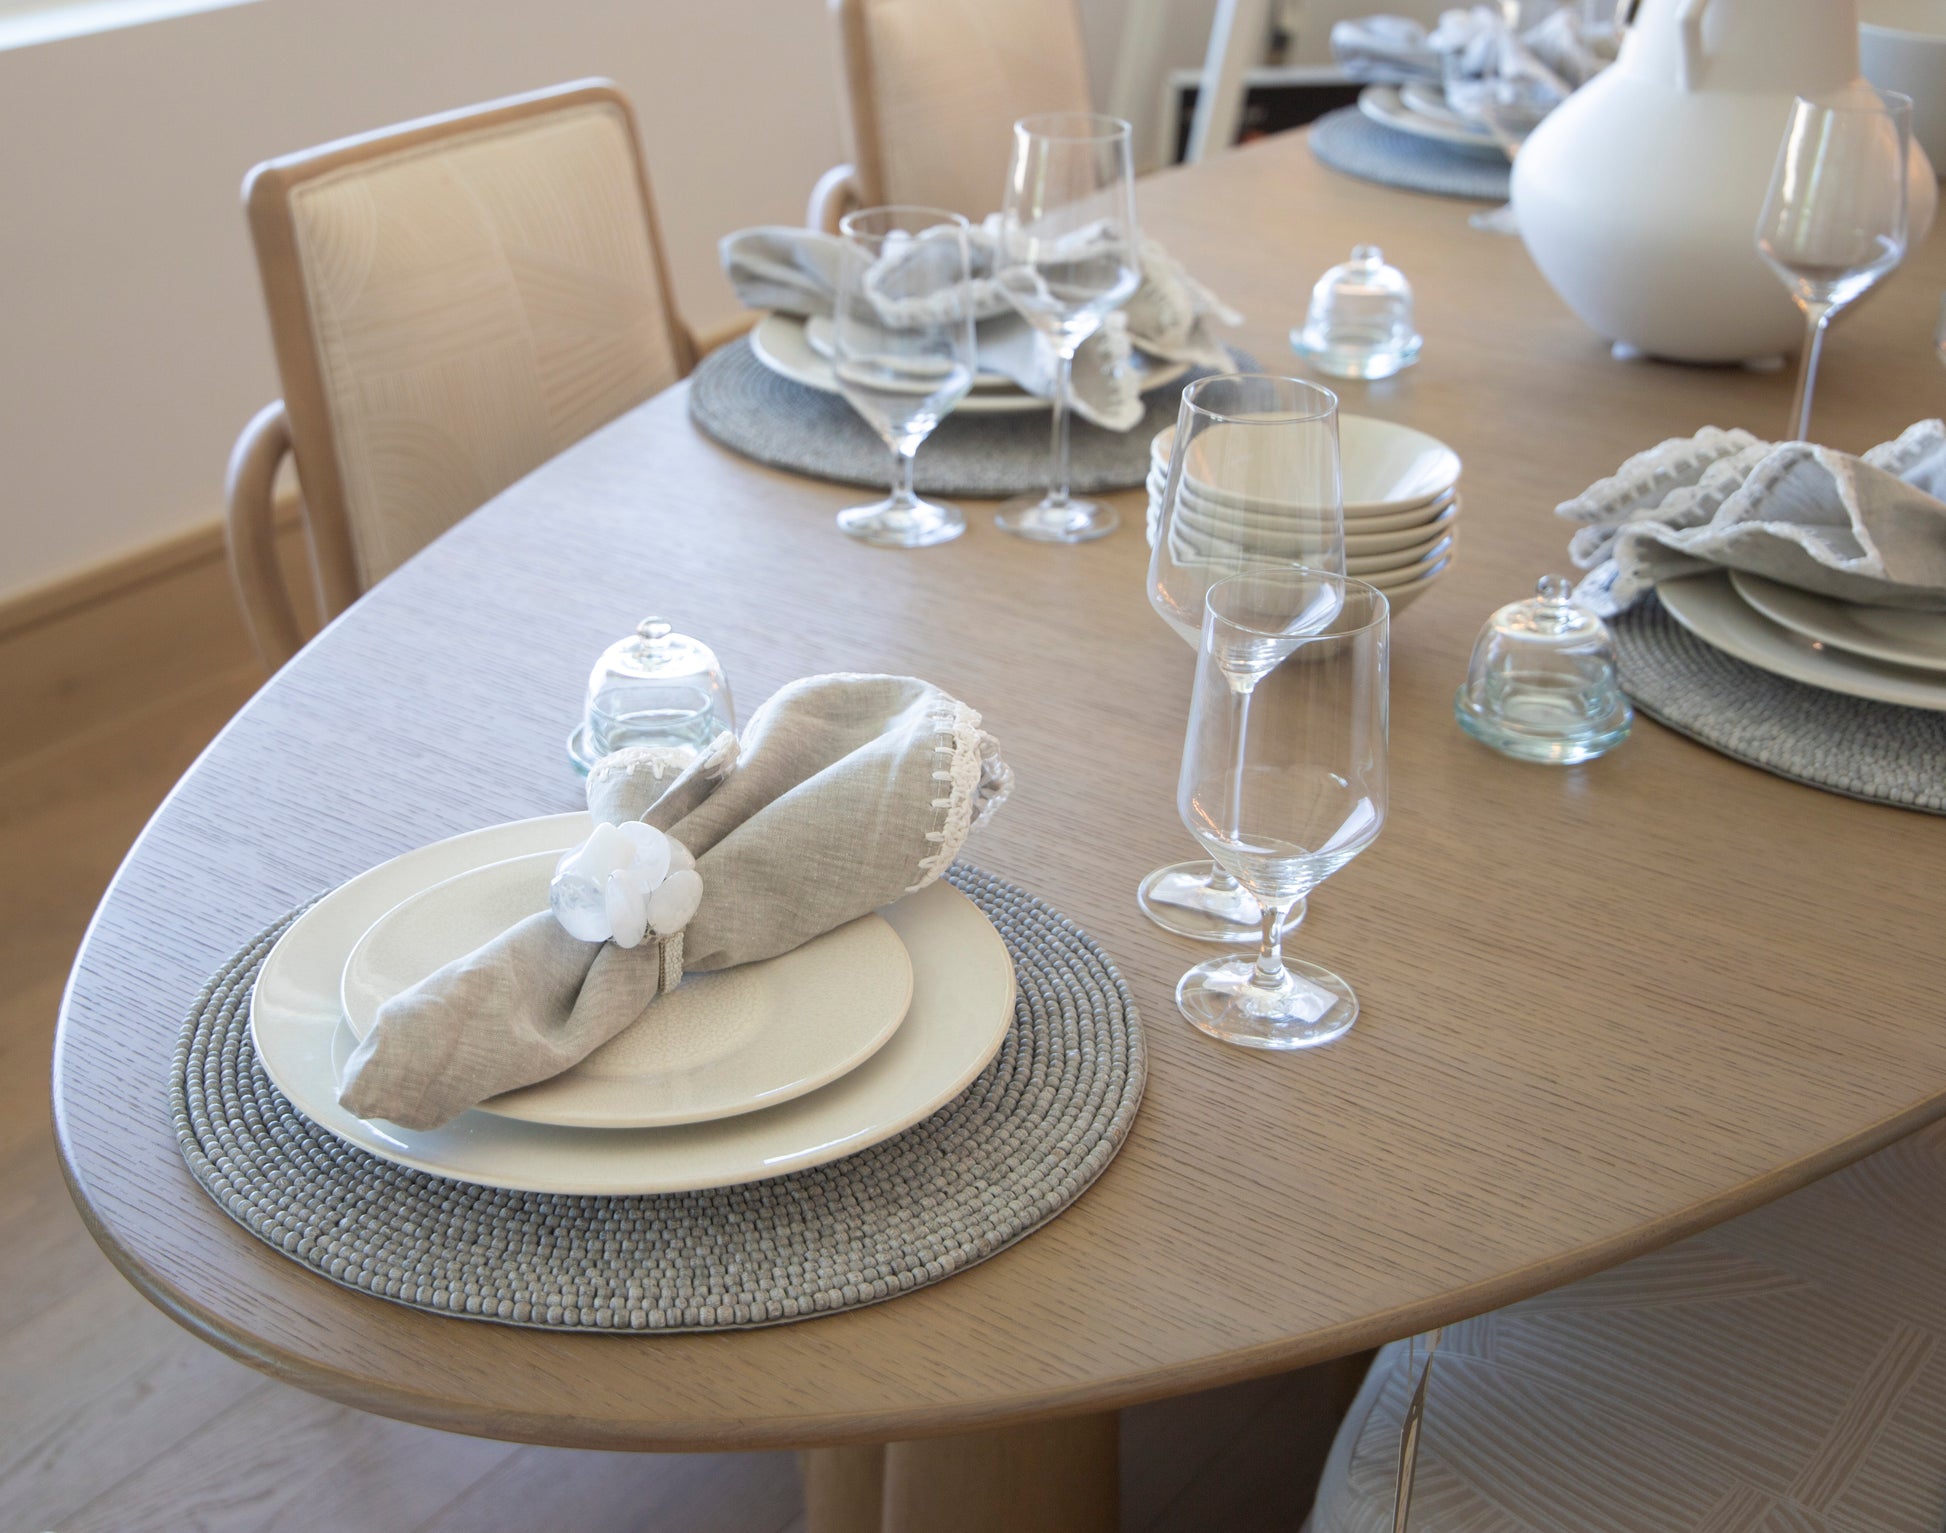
{"x": 1558, "y": 737}
{"x": 1498, "y": 220}
{"x": 1047, "y": 520}
{"x": 892, "y": 523}
{"x": 1311, "y": 1006}
{"x": 1179, "y": 899}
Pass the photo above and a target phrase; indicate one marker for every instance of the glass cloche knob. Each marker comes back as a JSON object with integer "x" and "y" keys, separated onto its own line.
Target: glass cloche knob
{"x": 1360, "y": 320}
{"x": 1542, "y": 682}
{"x": 656, "y": 688}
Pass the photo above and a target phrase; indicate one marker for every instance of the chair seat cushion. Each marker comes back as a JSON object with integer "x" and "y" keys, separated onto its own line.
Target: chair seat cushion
{"x": 1782, "y": 1373}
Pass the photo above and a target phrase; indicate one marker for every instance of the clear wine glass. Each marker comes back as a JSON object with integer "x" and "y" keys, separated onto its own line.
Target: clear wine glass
{"x": 903, "y": 353}
{"x": 1253, "y": 480}
{"x": 1067, "y": 257}
{"x": 1835, "y": 219}
{"x": 1284, "y": 781}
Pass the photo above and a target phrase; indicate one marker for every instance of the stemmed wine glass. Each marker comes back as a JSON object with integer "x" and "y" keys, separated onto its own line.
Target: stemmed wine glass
{"x": 1254, "y": 480}
{"x": 903, "y": 353}
{"x": 1067, "y": 257}
{"x": 1509, "y": 95}
{"x": 1284, "y": 781}
{"x": 1835, "y": 219}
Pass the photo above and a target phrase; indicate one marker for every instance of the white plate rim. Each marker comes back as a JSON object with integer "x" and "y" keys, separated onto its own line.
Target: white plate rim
{"x": 1159, "y": 457}
{"x": 612, "y": 1162}
{"x": 1709, "y": 607}
{"x": 1805, "y": 612}
{"x": 517, "y": 1104}
{"x": 1384, "y": 105}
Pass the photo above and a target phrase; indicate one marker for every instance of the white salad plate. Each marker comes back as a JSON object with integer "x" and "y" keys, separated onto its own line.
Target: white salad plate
{"x": 821, "y": 335}
{"x": 718, "y": 1045}
{"x": 1709, "y": 607}
{"x": 962, "y": 1006}
{"x": 1386, "y": 468}
{"x": 780, "y": 343}
{"x": 1428, "y": 100}
{"x": 1896, "y": 635}
{"x": 1384, "y": 104}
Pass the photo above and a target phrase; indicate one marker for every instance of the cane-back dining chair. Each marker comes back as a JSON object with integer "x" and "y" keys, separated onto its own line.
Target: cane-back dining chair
{"x": 1782, "y": 1373}
{"x": 452, "y": 302}
{"x": 932, "y": 89}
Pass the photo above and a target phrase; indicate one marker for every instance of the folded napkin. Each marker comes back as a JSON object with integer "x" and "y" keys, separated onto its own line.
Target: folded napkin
{"x": 796, "y": 271}
{"x": 1870, "y": 529}
{"x": 845, "y": 793}
{"x": 1397, "y": 50}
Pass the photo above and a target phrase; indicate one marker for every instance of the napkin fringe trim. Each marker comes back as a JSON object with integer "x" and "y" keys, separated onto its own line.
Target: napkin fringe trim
{"x": 979, "y": 783}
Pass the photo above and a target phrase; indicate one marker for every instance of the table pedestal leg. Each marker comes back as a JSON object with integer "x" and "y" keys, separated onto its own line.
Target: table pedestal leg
{"x": 844, "y": 1488}
{"x": 1052, "y": 1477}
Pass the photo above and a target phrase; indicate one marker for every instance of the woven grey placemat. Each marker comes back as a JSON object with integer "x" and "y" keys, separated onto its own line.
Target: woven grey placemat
{"x": 1848, "y": 745}
{"x": 1018, "y": 1146}
{"x": 753, "y": 411}
{"x": 1349, "y": 141}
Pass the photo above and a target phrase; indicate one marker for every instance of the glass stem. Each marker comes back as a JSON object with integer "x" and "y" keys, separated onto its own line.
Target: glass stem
{"x": 1057, "y": 468}
{"x": 1270, "y": 957}
{"x": 903, "y": 496}
{"x": 1816, "y": 317}
{"x": 1220, "y": 881}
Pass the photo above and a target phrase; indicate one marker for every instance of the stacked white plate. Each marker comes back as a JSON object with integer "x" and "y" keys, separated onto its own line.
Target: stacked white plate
{"x": 1421, "y": 109}
{"x": 1886, "y": 654}
{"x": 733, "y": 1077}
{"x": 1402, "y": 506}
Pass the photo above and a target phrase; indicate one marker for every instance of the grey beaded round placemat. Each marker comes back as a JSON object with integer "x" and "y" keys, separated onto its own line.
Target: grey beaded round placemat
{"x": 1018, "y": 1146}
{"x": 1349, "y": 141}
{"x": 1850, "y": 745}
{"x": 753, "y": 411}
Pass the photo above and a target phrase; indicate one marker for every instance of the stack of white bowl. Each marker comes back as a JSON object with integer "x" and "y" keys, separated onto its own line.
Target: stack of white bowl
{"x": 1402, "y": 506}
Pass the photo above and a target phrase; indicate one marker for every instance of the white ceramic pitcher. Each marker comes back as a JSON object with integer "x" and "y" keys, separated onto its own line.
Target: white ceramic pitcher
{"x": 1638, "y": 197}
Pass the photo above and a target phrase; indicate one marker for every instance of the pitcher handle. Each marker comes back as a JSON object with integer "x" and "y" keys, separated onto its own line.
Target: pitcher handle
{"x": 1689, "y": 23}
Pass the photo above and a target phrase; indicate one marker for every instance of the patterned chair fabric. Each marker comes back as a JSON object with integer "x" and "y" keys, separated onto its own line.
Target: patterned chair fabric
{"x": 948, "y": 79}
{"x": 478, "y": 304}
{"x": 1783, "y": 1373}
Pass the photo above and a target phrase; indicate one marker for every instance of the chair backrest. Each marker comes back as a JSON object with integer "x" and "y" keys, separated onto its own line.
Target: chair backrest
{"x": 933, "y": 88}
{"x": 453, "y": 302}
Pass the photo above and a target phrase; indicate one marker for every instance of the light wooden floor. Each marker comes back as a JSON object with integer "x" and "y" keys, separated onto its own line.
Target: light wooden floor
{"x": 112, "y": 1418}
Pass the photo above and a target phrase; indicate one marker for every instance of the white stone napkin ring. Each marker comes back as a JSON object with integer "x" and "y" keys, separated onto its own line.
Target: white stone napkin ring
{"x": 626, "y": 884}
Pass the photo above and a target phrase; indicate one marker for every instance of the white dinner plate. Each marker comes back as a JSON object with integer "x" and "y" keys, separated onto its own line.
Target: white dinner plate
{"x": 779, "y": 342}
{"x": 1386, "y": 468}
{"x": 962, "y": 1006}
{"x": 1384, "y": 104}
{"x": 1709, "y": 607}
{"x": 717, "y": 1045}
{"x": 1892, "y": 634}
{"x": 1429, "y": 100}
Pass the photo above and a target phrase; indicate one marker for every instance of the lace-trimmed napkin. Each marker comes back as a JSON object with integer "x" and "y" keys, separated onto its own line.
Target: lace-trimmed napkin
{"x": 846, "y": 793}
{"x": 795, "y": 271}
{"x": 1869, "y": 530}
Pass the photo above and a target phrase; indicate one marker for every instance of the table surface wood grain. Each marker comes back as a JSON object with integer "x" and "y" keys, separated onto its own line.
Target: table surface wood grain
{"x": 1603, "y": 1006}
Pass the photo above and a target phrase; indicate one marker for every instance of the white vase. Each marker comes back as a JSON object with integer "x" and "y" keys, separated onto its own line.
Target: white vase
{"x": 1638, "y": 197}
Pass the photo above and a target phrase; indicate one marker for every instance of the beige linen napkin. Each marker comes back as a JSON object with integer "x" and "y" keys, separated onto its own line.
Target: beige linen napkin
{"x": 845, "y": 793}
{"x": 795, "y": 271}
{"x": 1869, "y": 530}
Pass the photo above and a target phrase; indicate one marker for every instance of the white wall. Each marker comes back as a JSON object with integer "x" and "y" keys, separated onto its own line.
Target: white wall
{"x": 132, "y": 342}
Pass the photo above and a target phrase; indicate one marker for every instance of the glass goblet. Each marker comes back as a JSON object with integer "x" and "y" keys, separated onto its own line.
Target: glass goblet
{"x": 903, "y": 353}
{"x": 1253, "y": 480}
{"x": 1284, "y": 781}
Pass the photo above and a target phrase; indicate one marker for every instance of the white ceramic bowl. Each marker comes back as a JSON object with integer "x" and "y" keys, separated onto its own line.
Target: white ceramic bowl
{"x": 1387, "y": 468}
{"x": 1902, "y": 47}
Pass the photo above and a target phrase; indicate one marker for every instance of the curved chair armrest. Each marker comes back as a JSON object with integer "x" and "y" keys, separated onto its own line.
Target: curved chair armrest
{"x": 835, "y": 195}
{"x": 250, "y": 535}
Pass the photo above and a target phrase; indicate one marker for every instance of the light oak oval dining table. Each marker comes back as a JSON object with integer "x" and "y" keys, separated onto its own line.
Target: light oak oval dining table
{"x": 1603, "y": 1006}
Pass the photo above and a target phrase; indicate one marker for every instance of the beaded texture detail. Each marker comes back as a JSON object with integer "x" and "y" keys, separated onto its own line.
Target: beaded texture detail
{"x": 751, "y": 410}
{"x": 1349, "y": 141}
{"x": 1015, "y": 1149}
{"x": 1850, "y": 745}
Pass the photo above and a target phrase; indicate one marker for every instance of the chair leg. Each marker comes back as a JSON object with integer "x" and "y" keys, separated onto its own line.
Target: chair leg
{"x": 1409, "y": 1439}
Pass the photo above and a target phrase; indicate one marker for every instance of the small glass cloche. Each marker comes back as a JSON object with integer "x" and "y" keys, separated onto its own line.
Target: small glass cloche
{"x": 1542, "y": 682}
{"x": 656, "y": 688}
{"x": 1360, "y": 320}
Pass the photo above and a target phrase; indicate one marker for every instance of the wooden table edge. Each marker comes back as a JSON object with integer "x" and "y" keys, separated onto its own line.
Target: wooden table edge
{"x": 797, "y": 1432}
